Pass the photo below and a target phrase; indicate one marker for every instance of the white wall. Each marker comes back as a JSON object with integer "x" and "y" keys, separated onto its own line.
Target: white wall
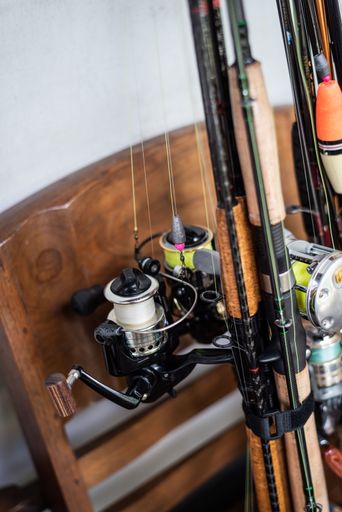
{"x": 80, "y": 79}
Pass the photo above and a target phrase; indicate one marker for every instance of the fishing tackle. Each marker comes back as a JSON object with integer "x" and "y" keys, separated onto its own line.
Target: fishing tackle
{"x": 252, "y": 116}
{"x": 318, "y": 275}
{"x": 207, "y": 319}
{"x": 138, "y": 340}
{"x": 314, "y": 188}
{"x": 262, "y": 270}
{"x": 234, "y": 237}
{"x": 208, "y": 316}
{"x": 195, "y": 238}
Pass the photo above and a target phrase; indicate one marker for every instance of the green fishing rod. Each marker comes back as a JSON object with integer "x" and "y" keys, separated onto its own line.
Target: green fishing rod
{"x": 277, "y": 278}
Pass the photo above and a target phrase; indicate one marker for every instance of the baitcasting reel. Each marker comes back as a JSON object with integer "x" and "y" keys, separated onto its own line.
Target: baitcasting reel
{"x": 318, "y": 274}
{"x": 138, "y": 340}
{"x": 318, "y": 280}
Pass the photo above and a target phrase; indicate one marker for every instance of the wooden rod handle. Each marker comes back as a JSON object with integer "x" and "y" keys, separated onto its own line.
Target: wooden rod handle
{"x": 316, "y": 465}
{"x": 60, "y": 394}
{"x": 267, "y": 144}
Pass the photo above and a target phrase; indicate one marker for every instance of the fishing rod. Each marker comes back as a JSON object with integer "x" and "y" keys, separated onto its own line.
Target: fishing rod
{"x": 328, "y": 101}
{"x": 323, "y": 27}
{"x": 253, "y": 119}
{"x": 314, "y": 189}
{"x": 235, "y": 243}
{"x": 333, "y": 15}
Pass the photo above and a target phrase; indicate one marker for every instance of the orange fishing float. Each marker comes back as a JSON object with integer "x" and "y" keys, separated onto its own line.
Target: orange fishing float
{"x": 329, "y": 130}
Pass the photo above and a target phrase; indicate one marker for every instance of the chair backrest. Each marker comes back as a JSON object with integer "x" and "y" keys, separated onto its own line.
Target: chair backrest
{"x": 73, "y": 234}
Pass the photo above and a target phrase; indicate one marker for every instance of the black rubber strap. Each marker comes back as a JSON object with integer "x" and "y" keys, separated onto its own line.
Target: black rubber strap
{"x": 276, "y": 424}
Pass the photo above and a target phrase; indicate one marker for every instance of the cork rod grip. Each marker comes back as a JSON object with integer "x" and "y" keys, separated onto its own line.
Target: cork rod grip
{"x": 316, "y": 466}
{"x": 245, "y": 244}
{"x": 250, "y": 274}
{"x": 267, "y": 144}
{"x": 259, "y": 473}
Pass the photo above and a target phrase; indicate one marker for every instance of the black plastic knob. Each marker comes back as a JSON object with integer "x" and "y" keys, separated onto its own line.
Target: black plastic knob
{"x": 85, "y": 301}
{"x": 131, "y": 282}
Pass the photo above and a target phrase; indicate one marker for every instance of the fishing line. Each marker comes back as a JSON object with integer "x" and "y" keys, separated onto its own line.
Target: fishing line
{"x": 138, "y": 108}
{"x": 166, "y": 133}
{"x": 205, "y": 189}
{"x": 147, "y": 196}
{"x": 322, "y": 21}
{"x": 202, "y": 171}
{"x": 207, "y": 197}
{"x": 132, "y": 168}
{"x": 135, "y": 220}
{"x": 289, "y": 52}
{"x": 311, "y": 115}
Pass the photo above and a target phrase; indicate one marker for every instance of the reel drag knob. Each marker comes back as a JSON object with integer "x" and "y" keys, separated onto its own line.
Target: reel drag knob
{"x": 59, "y": 389}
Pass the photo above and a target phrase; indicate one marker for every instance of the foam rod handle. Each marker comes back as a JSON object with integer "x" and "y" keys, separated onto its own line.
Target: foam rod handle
{"x": 316, "y": 465}
{"x": 60, "y": 394}
{"x": 266, "y": 140}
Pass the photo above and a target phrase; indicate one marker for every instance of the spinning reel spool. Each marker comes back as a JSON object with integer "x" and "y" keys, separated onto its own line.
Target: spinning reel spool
{"x": 209, "y": 310}
{"x": 135, "y": 309}
{"x": 196, "y": 237}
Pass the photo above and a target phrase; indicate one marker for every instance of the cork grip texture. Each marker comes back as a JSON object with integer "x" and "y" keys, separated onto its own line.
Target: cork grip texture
{"x": 259, "y": 473}
{"x": 247, "y": 259}
{"x": 266, "y": 139}
{"x": 316, "y": 466}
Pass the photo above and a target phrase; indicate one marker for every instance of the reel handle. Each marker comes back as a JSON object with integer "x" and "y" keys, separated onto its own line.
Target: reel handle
{"x": 59, "y": 389}
{"x": 85, "y": 301}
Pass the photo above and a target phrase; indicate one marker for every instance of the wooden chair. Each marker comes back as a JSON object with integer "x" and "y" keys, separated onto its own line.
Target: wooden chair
{"x": 73, "y": 234}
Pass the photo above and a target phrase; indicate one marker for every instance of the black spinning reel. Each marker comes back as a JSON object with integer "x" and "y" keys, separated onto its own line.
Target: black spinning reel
{"x": 142, "y": 331}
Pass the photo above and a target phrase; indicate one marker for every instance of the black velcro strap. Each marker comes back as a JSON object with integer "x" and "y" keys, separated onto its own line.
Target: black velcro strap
{"x": 276, "y": 424}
